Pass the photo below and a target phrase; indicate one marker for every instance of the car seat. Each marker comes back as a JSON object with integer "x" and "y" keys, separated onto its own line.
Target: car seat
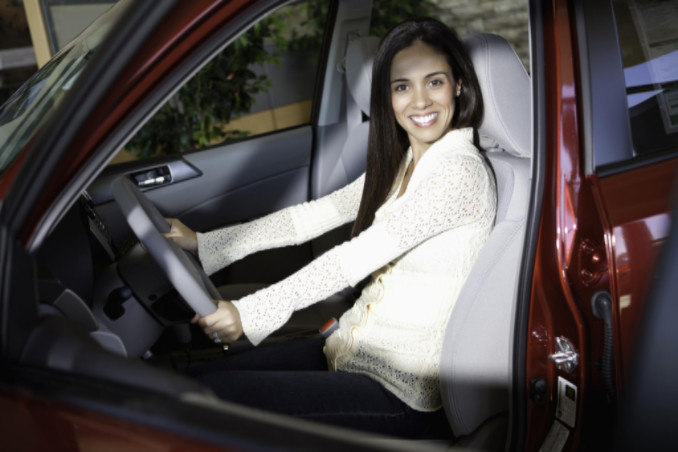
{"x": 477, "y": 351}
{"x": 343, "y": 158}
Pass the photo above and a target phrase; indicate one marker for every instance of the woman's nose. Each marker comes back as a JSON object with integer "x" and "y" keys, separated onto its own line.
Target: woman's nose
{"x": 421, "y": 98}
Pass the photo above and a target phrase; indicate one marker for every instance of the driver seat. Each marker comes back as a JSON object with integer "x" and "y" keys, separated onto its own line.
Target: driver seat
{"x": 476, "y": 359}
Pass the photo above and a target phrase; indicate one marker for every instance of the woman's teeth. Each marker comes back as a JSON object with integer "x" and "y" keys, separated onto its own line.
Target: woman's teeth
{"x": 424, "y": 120}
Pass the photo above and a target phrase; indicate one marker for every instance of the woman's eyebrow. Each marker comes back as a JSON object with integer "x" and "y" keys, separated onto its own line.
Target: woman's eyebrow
{"x": 432, "y": 74}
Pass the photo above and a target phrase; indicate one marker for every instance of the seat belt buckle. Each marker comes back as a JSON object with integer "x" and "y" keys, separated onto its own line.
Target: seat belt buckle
{"x": 329, "y": 327}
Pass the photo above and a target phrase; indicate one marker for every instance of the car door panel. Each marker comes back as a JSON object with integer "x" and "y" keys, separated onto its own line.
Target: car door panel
{"x": 233, "y": 183}
{"x": 630, "y": 152}
{"x": 246, "y": 180}
{"x": 638, "y": 222}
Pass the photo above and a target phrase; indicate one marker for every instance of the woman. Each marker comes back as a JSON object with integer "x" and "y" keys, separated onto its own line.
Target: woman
{"x": 422, "y": 211}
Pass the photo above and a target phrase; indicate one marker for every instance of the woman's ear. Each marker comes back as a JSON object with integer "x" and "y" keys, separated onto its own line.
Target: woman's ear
{"x": 458, "y": 88}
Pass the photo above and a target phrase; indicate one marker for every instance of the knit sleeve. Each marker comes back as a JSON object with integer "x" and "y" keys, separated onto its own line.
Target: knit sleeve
{"x": 290, "y": 226}
{"x": 455, "y": 192}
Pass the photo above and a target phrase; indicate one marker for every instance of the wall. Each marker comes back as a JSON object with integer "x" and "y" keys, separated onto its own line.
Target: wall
{"x": 507, "y": 18}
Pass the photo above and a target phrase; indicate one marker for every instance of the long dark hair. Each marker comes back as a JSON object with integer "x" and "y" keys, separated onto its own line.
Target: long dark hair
{"x": 388, "y": 142}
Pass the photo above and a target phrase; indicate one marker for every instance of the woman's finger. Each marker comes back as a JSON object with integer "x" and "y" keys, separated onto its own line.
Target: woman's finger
{"x": 223, "y": 327}
{"x": 223, "y": 324}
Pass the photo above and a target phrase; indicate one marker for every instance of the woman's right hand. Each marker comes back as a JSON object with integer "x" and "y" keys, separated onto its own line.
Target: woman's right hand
{"x": 182, "y": 235}
{"x": 223, "y": 325}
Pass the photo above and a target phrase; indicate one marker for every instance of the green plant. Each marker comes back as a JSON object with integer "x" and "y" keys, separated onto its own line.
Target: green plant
{"x": 223, "y": 89}
{"x": 387, "y": 13}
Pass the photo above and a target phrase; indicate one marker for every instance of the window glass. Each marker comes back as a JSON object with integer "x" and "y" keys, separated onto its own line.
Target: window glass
{"x": 648, "y": 39}
{"x": 22, "y": 115}
{"x": 262, "y": 82}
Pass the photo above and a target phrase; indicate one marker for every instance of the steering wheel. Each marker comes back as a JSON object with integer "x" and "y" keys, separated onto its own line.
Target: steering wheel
{"x": 181, "y": 268}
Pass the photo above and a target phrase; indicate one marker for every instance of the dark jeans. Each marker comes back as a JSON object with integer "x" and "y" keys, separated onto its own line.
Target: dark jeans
{"x": 292, "y": 378}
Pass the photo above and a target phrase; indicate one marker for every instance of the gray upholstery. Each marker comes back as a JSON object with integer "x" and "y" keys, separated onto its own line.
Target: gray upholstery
{"x": 344, "y": 154}
{"x": 359, "y": 57}
{"x": 506, "y": 92}
{"x": 476, "y": 356}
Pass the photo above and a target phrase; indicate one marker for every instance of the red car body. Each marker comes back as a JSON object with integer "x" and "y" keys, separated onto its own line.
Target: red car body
{"x": 579, "y": 218}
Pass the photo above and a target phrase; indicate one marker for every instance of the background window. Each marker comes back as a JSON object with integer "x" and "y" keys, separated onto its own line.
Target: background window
{"x": 648, "y": 38}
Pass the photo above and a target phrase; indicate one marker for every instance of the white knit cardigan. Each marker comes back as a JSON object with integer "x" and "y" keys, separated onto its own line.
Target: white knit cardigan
{"x": 419, "y": 251}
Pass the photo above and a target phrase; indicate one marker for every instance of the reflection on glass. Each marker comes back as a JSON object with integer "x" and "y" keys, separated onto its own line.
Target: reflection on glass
{"x": 34, "y": 103}
{"x": 649, "y": 47}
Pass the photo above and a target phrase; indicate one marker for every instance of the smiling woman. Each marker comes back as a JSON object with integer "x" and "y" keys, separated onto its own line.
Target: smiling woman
{"x": 416, "y": 252}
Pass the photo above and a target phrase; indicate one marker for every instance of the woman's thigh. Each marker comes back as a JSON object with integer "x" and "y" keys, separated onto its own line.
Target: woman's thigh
{"x": 337, "y": 398}
{"x": 296, "y": 354}
{"x": 292, "y": 378}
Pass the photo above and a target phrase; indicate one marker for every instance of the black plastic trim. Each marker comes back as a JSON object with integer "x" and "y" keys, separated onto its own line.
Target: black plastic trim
{"x": 605, "y": 125}
{"x": 18, "y": 299}
{"x": 635, "y": 163}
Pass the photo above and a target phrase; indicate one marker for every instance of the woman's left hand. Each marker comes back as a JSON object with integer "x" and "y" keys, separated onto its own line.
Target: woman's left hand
{"x": 182, "y": 235}
{"x": 223, "y": 325}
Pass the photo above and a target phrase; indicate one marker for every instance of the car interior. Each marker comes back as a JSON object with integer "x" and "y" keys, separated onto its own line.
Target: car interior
{"x": 112, "y": 303}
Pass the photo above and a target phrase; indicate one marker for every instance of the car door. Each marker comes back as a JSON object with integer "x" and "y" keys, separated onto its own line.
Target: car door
{"x": 632, "y": 162}
{"x": 609, "y": 153}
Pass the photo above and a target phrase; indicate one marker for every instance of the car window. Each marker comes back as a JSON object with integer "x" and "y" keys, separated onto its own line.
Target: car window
{"x": 264, "y": 81}
{"x": 648, "y": 39}
{"x": 35, "y": 101}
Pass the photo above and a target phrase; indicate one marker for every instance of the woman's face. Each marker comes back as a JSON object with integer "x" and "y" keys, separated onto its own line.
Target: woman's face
{"x": 422, "y": 94}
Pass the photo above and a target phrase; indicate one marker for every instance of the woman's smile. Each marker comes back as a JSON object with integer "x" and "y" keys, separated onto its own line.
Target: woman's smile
{"x": 425, "y": 120}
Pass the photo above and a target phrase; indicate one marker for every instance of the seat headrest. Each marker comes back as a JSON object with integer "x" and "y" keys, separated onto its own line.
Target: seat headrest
{"x": 506, "y": 92}
{"x": 503, "y": 80}
{"x": 359, "y": 58}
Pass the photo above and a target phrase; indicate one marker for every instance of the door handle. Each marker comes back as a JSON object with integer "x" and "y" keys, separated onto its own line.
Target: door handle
{"x": 152, "y": 177}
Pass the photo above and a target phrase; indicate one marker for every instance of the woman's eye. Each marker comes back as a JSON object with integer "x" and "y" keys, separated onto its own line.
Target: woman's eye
{"x": 436, "y": 82}
{"x": 399, "y": 88}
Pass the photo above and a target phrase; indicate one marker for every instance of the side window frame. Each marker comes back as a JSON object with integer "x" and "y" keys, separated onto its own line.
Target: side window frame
{"x": 606, "y": 127}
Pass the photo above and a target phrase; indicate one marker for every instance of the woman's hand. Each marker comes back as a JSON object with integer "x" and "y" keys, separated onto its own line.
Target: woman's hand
{"x": 223, "y": 325}
{"x": 182, "y": 235}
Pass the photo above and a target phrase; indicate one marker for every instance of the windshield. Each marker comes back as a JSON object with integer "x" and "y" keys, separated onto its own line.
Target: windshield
{"x": 32, "y": 104}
